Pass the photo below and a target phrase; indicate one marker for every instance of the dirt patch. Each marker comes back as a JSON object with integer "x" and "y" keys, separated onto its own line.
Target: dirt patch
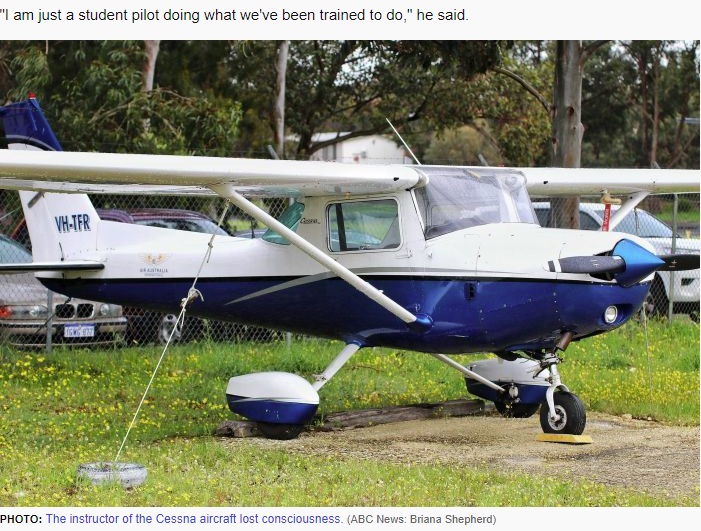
{"x": 642, "y": 455}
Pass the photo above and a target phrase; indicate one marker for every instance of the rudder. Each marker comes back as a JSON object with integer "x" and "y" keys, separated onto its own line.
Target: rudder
{"x": 61, "y": 226}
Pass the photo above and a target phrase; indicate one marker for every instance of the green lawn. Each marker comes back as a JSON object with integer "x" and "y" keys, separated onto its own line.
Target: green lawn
{"x": 74, "y": 406}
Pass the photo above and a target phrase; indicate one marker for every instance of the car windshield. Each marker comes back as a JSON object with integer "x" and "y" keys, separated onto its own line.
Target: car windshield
{"x": 459, "y": 198}
{"x": 190, "y": 225}
{"x": 644, "y": 225}
{"x": 13, "y": 253}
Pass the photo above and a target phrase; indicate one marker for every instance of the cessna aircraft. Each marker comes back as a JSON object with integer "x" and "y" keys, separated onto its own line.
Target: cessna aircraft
{"x": 437, "y": 259}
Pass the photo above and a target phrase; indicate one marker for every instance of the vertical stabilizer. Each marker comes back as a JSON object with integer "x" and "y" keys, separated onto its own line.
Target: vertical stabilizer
{"x": 61, "y": 226}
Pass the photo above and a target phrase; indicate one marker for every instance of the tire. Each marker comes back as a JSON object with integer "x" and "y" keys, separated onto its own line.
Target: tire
{"x": 516, "y": 411}
{"x": 281, "y": 432}
{"x": 571, "y": 409}
{"x": 166, "y": 324}
{"x": 129, "y": 475}
{"x": 656, "y": 302}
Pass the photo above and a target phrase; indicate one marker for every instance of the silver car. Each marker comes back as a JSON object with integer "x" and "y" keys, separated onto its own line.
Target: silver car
{"x": 25, "y": 316}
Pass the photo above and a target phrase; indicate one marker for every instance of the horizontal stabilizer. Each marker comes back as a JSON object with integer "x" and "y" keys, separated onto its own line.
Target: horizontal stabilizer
{"x": 587, "y": 265}
{"x": 51, "y": 266}
{"x": 680, "y": 262}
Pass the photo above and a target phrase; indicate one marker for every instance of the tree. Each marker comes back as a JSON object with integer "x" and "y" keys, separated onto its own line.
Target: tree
{"x": 667, "y": 82}
{"x": 98, "y": 95}
{"x": 353, "y": 86}
{"x": 567, "y": 128}
{"x": 279, "y": 104}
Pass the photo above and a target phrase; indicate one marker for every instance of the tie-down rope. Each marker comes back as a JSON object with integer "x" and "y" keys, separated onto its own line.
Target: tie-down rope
{"x": 192, "y": 294}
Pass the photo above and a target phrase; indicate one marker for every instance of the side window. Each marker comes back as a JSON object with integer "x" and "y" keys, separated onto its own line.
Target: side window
{"x": 363, "y": 225}
{"x": 290, "y": 219}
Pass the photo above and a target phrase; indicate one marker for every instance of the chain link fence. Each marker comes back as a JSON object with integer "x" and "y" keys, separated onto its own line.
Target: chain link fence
{"x": 30, "y": 315}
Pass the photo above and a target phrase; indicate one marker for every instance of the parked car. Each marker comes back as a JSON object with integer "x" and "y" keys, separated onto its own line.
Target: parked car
{"x": 169, "y": 218}
{"x": 146, "y": 326}
{"x": 25, "y": 312}
{"x": 686, "y": 284}
{"x": 149, "y": 326}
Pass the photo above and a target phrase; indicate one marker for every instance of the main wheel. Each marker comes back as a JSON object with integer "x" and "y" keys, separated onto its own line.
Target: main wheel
{"x": 281, "y": 432}
{"x": 572, "y": 414}
{"x": 517, "y": 410}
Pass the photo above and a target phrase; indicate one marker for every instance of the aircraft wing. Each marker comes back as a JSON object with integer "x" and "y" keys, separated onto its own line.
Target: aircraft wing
{"x": 63, "y": 171}
{"x": 552, "y": 182}
{"x": 56, "y": 171}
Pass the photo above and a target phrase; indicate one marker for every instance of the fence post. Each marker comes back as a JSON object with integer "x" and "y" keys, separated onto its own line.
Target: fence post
{"x": 675, "y": 209}
{"x": 50, "y": 321}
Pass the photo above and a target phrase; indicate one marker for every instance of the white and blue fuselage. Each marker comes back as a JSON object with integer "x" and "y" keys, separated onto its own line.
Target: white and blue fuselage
{"x": 469, "y": 255}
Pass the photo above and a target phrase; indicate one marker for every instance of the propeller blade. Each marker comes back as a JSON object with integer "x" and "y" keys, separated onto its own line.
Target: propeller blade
{"x": 680, "y": 262}
{"x": 587, "y": 265}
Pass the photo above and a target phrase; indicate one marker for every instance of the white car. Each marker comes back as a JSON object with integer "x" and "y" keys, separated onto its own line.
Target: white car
{"x": 685, "y": 294}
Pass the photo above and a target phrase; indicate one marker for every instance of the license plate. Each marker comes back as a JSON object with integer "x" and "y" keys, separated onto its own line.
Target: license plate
{"x": 79, "y": 330}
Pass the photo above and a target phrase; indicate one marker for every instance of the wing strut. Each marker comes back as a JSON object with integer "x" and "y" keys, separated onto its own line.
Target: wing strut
{"x": 227, "y": 191}
{"x": 632, "y": 202}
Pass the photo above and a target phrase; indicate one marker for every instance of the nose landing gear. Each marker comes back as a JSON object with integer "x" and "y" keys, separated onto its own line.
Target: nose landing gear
{"x": 562, "y": 412}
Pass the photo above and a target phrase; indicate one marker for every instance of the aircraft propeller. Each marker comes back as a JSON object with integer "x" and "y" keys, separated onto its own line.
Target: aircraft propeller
{"x": 628, "y": 263}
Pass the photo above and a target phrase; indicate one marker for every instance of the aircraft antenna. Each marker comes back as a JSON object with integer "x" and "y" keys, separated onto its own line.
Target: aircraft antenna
{"x": 405, "y": 144}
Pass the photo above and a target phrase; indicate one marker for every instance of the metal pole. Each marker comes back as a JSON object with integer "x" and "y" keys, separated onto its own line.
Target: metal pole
{"x": 50, "y": 322}
{"x": 670, "y": 308}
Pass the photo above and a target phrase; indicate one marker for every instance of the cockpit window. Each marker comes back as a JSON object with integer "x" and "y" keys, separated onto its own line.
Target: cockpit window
{"x": 289, "y": 218}
{"x": 459, "y": 198}
{"x": 363, "y": 225}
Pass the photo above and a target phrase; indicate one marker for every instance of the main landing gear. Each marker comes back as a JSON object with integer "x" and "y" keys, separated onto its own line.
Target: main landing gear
{"x": 518, "y": 386}
{"x": 280, "y": 402}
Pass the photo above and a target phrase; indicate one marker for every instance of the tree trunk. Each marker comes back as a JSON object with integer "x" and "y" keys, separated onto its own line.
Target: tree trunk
{"x": 149, "y": 69}
{"x": 567, "y": 128}
{"x": 279, "y": 105}
{"x": 655, "y": 108}
{"x": 148, "y": 72}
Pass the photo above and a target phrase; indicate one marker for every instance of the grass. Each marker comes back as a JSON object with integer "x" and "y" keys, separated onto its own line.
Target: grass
{"x": 687, "y": 212}
{"x": 74, "y": 406}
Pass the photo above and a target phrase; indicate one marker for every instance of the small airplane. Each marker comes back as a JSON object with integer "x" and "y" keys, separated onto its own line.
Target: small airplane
{"x": 436, "y": 259}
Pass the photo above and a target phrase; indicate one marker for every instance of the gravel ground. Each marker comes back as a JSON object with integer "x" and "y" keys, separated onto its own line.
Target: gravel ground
{"x": 625, "y": 452}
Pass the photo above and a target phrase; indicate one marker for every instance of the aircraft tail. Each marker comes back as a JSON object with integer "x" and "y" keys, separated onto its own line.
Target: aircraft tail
{"x": 61, "y": 226}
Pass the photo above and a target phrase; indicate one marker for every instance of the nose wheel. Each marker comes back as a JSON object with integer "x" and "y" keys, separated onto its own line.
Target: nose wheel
{"x": 562, "y": 412}
{"x": 570, "y": 416}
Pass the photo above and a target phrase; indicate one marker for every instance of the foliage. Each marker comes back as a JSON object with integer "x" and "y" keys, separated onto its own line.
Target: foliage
{"x": 354, "y": 86}
{"x": 216, "y": 97}
{"x": 648, "y": 375}
{"x": 73, "y": 407}
{"x": 93, "y": 96}
{"x": 636, "y": 96}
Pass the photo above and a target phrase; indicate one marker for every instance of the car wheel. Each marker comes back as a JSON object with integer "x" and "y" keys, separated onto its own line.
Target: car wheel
{"x": 656, "y": 302}
{"x": 166, "y": 326}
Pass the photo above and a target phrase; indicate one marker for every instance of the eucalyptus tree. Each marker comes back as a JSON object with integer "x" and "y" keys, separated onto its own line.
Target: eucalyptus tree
{"x": 355, "y": 86}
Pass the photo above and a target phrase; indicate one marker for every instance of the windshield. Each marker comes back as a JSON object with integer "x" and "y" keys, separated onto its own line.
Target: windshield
{"x": 644, "y": 225}
{"x": 290, "y": 218}
{"x": 459, "y": 198}
{"x": 13, "y": 253}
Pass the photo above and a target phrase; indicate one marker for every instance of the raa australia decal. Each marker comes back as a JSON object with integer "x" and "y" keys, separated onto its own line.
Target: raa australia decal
{"x": 154, "y": 265}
